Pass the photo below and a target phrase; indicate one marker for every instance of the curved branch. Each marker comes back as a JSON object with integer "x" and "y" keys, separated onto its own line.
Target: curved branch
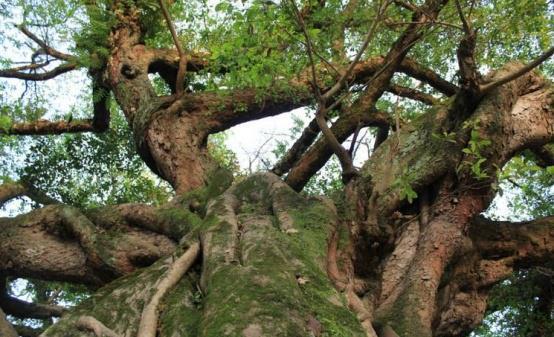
{"x": 61, "y": 69}
{"x": 545, "y": 154}
{"x": 22, "y": 309}
{"x": 12, "y": 190}
{"x": 320, "y": 152}
{"x": 413, "y": 69}
{"x": 149, "y": 318}
{"x": 60, "y": 243}
{"x": 46, "y": 48}
{"x": 488, "y": 87}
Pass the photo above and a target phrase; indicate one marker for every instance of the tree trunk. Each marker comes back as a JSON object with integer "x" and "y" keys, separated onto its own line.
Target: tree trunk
{"x": 262, "y": 273}
{"x": 404, "y": 253}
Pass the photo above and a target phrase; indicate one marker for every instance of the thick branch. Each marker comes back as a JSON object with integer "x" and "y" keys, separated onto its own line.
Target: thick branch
{"x": 320, "y": 152}
{"x": 61, "y": 69}
{"x": 45, "y": 127}
{"x": 412, "y": 94}
{"x": 22, "y": 309}
{"x": 12, "y": 190}
{"x": 413, "y": 69}
{"x": 527, "y": 243}
{"x": 59, "y": 243}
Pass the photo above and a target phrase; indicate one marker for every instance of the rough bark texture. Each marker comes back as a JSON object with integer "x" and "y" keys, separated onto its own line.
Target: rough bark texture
{"x": 272, "y": 261}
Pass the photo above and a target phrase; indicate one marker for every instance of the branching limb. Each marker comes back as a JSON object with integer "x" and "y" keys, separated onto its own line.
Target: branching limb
{"x": 46, "y": 49}
{"x": 348, "y": 169}
{"x": 316, "y": 156}
{"x": 413, "y": 69}
{"x": 149, "y": 319}
{"x": 22, "y": 309}
{"x": 343, "y": 79}
{"x": 528, "y": 242}
{"x": 19, "y": 72}
{"x": 181, "y": 73}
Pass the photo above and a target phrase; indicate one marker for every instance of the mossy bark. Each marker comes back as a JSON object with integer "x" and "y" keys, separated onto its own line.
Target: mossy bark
{"x": 262, "y": 274}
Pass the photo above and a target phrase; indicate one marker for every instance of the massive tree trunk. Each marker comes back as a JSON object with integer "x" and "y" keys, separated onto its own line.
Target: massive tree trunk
{"x": 275, "y": 263}
{"x": 259, "y": 258}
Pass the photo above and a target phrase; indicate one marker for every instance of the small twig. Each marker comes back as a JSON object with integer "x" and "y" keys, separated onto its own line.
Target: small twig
{"x": 309, "y": 48}
{"x": 342, "y": 80}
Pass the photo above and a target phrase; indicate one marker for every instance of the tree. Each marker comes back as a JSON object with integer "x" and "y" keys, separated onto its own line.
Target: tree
{"x": 401, "y": 251}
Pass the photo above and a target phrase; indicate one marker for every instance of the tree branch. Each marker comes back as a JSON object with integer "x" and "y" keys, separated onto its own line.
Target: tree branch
{"x": 45, "y": 127}
{"x": 182, "y": 71}
{"x": 300, "y": 146}
{"x": 149, "y": 318}
{"x": 412, "y": 94}
{"x": 61, "y": 69}
{"x": 413, "y": 69}
{"x": 105, "y": 243}
{"x": 343, "y": 79}
{"x": 22, "y": 309}
{"x": 317, "y": 155}
{"x": 12, "y": 190}
{"x": 45, "y": 48}
{"x": 488, "y": 87}
{"x": 89, "y": 323}
{"x": 545, "y": 154}
{"x": 528, "y": 242}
